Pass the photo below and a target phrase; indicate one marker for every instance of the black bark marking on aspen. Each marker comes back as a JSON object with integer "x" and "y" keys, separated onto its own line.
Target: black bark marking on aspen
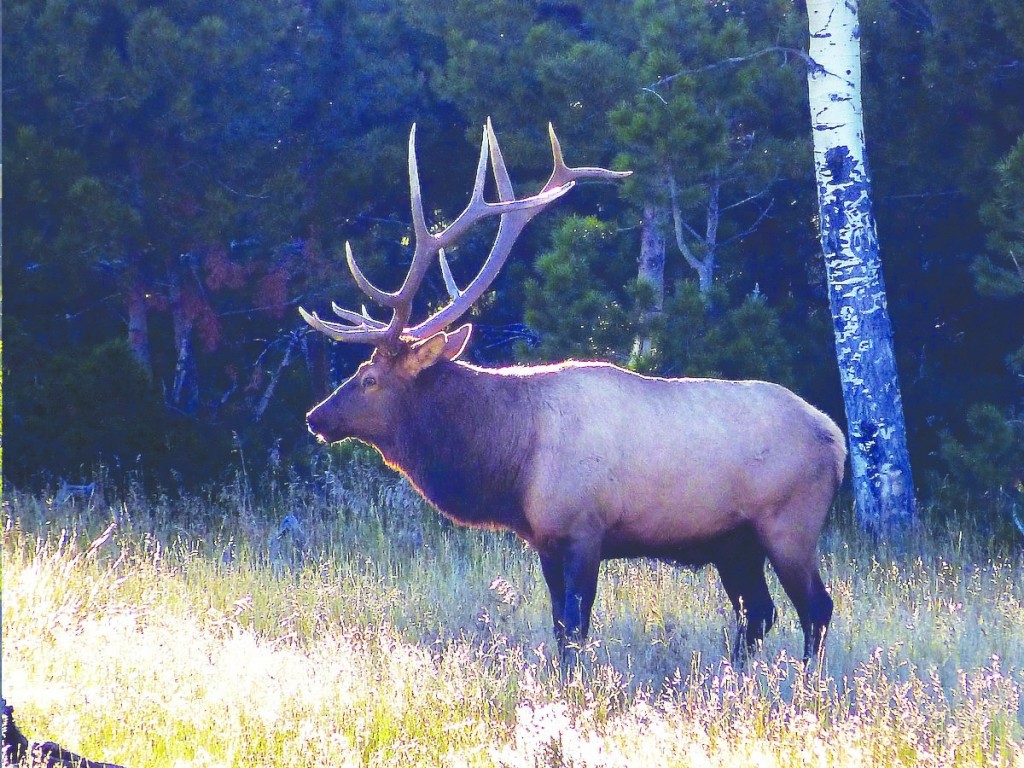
{"x": 840, "y": 164}
{"x": 867, "y": 441}
{"x": 845, "y": 193}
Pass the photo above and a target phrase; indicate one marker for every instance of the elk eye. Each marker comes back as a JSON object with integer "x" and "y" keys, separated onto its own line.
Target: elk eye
{"x": 368, "y": 382}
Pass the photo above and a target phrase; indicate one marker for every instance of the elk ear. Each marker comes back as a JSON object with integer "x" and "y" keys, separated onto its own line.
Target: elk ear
{"x": 456, "y": 341}
{"x": 424, "y": 353}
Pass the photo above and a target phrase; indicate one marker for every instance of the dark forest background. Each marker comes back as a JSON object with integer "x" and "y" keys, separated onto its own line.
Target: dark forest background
{"x": 182, "y": 175}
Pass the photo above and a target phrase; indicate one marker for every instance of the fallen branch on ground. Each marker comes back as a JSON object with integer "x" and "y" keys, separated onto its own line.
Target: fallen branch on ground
{"x": 18, "y": 752}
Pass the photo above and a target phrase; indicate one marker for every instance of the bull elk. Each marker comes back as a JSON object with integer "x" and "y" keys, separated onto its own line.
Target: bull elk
{"x": 587, "y": 461}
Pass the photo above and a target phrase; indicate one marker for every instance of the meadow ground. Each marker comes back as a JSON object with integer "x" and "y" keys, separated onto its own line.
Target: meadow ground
{"x": 194, "y": 635}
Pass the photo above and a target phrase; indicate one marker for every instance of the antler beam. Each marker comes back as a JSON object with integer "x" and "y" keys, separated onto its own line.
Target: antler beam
{"x": 515, "y": 215}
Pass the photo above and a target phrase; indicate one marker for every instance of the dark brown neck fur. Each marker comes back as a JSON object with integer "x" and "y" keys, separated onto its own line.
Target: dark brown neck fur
{"x": 465, "y": 441}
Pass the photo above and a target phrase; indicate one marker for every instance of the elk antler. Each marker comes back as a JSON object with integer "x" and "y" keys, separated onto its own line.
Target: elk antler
{"x": 515, "y": 214}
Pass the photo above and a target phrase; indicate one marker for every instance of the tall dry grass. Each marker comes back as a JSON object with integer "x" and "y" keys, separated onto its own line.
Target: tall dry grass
{"x": 195, "y": 635}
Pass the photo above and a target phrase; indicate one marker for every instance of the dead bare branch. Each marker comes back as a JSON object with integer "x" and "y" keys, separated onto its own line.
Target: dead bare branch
{"x": 732, "y": 60}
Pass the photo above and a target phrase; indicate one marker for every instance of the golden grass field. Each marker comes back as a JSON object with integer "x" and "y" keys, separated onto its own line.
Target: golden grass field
{"x": 190, "y": 635}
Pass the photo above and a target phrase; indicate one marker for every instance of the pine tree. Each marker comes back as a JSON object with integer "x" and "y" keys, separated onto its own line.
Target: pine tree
{"x": 943, "y": 103}
{"x": 991, "y": 466}
{"x": 710, "y": 131}
{"x": 149, "y": 206}
{"x": 576, "y": 306}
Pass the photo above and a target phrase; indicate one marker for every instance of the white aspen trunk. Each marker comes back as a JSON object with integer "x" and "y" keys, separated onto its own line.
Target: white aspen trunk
{"x": 880, "y": 461}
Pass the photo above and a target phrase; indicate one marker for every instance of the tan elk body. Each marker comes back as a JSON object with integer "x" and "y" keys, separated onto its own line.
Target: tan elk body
{"x": 587, "y": 461}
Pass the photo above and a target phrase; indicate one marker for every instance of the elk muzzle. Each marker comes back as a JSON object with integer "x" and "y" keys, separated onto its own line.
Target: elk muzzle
{"x": 323, "y": 424}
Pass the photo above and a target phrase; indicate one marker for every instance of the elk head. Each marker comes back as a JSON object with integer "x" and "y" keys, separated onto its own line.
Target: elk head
{"x": 365, "y": 405}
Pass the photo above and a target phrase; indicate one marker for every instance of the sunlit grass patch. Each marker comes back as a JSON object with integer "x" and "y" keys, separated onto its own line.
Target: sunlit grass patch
{"x": 125, "y": 668}
{"x": 393, "y": 638}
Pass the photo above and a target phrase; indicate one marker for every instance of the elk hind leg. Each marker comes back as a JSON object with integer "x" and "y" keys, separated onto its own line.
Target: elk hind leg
{"x": 792, "y": 546}
{"x": 813, "y": 604}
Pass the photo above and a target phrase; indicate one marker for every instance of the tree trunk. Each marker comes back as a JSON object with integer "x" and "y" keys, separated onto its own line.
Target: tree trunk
{"x": 185, "y": 389}
{"x": 704, "y": 266}
{"x": 314, "y": 350}
{"x": 138, "y": 323}
{"x": 652, "y": 272}
{"x": 268, "y": 393}
{"x": 882, "y": 481}
{"x": 711, "y": 235}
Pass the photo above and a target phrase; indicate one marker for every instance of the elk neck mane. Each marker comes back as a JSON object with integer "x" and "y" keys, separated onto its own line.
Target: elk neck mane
{"x": 465, "y": 440}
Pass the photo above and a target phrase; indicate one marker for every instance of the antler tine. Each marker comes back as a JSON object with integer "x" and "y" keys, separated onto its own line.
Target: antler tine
{"x": 501, "y": 177}
{"x": 358, "y": 319}
{"x": 419, "y": 219}
{"x": 446, "y": 273}
{"x": 381, "y": 297}
{"x": 365, "y": 333}
{"x": 398, "y": 299}
{"x": 563, "y": 173}
{"x": 401, "y": 300}
{"x": 481, "y": 169}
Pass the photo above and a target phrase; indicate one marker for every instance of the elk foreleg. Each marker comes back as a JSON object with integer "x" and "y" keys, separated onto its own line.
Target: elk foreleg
{"x": 554, "y": 574}
{"x": 740, "y": 562}
{"x": 571, "y": 576}
{"x": 744, "y": 582}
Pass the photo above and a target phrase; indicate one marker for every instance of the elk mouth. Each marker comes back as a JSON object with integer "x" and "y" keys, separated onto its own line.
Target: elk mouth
{"x": 320, "y": 430}
{"x": 320, "y": 438}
